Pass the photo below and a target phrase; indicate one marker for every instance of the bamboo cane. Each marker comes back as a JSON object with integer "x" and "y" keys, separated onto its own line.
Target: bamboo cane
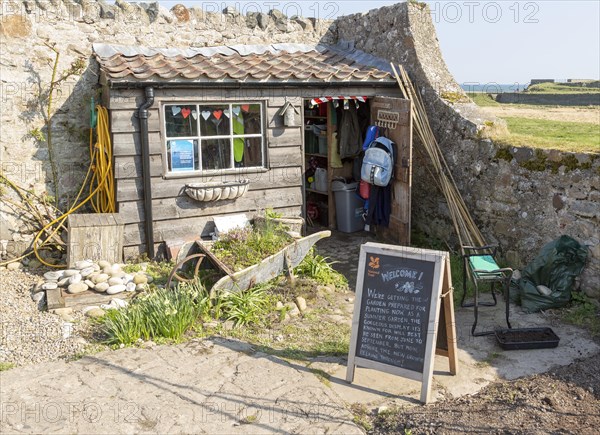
{"x": 462, "y": 221}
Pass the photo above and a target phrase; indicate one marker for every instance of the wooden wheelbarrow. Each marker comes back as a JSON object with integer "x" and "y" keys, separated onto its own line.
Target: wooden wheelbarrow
{"x": 281, "y": 262}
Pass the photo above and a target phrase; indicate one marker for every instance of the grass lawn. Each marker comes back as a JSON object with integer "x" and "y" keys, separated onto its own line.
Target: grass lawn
{"x": 482, "y": 99}
{"x": 527, "y": 127}
{"x": 540, "y": 133}
{"x": 557, "y": 88}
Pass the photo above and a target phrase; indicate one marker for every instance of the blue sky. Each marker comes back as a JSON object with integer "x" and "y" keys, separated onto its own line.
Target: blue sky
{"x": 485, "y": 41}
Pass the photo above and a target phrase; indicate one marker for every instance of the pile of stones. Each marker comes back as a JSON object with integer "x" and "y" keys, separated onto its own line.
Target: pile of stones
{"x": 100, "y": 277}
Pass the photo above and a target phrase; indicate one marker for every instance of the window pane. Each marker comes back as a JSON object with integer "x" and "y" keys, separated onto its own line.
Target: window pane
{"x": 247, "y": 152}
{"x": 181, "y": 120}
{"x": 246, "y": 118}
{"x": 182, "y": 155}
{"x": 214, "y": 120}
{"x": 216, "y": 154}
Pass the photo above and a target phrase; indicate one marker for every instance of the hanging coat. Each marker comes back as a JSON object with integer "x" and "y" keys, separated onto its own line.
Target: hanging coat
{"x": 350, "y": 137}
{"x": 380, "y": 206}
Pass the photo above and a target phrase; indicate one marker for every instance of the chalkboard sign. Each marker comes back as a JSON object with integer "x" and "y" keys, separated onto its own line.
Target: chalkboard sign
{"x": 397, "y": 309}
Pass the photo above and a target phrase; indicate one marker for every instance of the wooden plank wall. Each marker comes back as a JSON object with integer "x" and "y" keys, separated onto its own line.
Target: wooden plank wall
{"x": 175, "y": 215}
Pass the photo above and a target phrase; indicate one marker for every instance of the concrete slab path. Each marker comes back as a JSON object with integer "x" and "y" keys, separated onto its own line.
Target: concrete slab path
{"x": 211, "y": 386}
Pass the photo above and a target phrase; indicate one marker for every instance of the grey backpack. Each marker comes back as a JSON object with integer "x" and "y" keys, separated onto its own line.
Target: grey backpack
{"x": 378, "y": 163}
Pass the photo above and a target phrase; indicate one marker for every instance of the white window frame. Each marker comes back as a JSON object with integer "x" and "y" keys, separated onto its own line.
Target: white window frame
{"x": 169, "y": 173}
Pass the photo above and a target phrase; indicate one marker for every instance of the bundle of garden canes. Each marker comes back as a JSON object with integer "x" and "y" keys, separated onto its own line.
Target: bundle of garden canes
{"x": 466, "y": 230}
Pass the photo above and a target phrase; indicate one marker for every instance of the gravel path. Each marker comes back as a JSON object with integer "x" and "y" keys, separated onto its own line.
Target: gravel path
{"x": 28, "y": 335}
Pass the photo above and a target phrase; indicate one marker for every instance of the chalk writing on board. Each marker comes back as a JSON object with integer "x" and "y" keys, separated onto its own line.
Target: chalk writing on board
{"x": 395, "y": 311}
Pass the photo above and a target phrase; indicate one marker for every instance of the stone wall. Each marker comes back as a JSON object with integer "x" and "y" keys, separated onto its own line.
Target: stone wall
{"x": 520, "y": 197}
{"x": 28, "y": 30}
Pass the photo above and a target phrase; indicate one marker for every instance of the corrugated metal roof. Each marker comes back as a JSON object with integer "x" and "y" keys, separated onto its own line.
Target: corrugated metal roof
{"x": 241, "y": 64}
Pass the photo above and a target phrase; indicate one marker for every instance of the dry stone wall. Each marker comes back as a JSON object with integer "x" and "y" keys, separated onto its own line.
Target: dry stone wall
{"x": 520, "y": 197}
{"x": 30, "y": 29}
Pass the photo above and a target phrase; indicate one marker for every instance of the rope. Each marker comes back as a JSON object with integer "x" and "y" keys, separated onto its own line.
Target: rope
{"x": 101, "y": 187}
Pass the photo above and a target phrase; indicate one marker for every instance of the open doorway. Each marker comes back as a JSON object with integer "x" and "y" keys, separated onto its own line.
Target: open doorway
{"x": 336, "y": 132}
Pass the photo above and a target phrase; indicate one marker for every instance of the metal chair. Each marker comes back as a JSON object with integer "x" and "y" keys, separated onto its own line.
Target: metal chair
{"x": 480, "y": 264}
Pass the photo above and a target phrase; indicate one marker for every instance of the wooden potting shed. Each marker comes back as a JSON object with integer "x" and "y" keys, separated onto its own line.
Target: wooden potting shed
{"x": 205, "y": 132}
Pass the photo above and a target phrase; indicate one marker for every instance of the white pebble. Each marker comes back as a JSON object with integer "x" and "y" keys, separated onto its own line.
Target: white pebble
{"x": 101, "y": 287}
{"x": 114, "y": 289}
{"x": 38, "y": 296}
{"x": 127, "y": 278}
{"x": 67, "y": 329}
{"x": 49, "y": 285}
{"x": 115, "y": 281}
{"x": 75, "y": 279}
{"x": 104, "y": 263}
{"x": 87, "y": 271}
{"x": 130, "y": 287}
{"x": 84, "y": 264}
{"x": 78, "y": 287}
{"x": 15, "y": 265}
{"x": 64, "y": 282}
{"x": 70, "y": 272}
{"x": 89, "y": 283}
{"x": 101, "y": 277}
{"x": 53, "y": 276}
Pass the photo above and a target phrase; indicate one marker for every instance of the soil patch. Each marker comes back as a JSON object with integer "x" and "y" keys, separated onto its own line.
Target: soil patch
{"x": 564, "y": 400}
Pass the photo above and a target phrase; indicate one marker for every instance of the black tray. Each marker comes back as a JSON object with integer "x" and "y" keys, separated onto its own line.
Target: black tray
{"x": 526, "y": 338}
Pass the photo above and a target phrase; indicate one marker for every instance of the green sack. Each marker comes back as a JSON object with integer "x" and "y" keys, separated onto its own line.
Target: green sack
{"x": 556, "y": 267}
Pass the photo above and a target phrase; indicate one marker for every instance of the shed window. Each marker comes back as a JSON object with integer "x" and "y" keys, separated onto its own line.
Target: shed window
{"x": 218, "y": 136}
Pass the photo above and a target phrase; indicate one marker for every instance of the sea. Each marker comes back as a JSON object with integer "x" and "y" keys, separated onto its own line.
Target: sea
{"x": 493, "y": 88}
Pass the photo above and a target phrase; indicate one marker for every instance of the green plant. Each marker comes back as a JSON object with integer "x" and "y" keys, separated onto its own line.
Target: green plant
{"x": 504, "y": 153}
{"x": 6, "y": 366}
{"x": 161, "y": 313}
{"x": 271, "y": 214}
{"x": 244, "y": 247}
{"x": 245, "y": 306}
{"x": 318, "y": 268}
{"x": 361, "y": 416}
{"x": 37, "y": 134}
{"x": 583, "y": 312}
{"x": 249, "y": 419}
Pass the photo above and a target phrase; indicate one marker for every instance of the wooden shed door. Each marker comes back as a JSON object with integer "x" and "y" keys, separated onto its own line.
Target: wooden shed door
{"x": 395, "y": 114}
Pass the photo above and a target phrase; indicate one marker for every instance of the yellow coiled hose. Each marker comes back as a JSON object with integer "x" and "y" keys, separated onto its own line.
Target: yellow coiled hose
{"x": 101, "y": 185}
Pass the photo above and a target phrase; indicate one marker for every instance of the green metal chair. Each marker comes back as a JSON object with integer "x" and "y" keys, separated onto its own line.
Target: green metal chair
{"x": 480, "y": 264}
